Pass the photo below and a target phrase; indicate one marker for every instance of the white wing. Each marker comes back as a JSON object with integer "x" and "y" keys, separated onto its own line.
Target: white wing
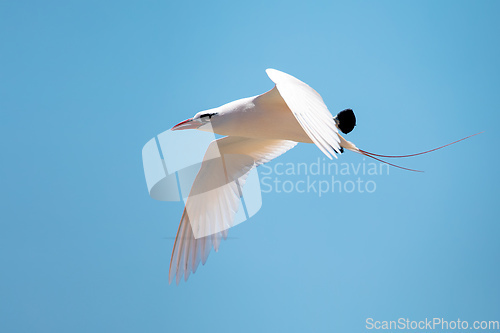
{"x": 309, "y": 109}
{"x": 214, "y": 198}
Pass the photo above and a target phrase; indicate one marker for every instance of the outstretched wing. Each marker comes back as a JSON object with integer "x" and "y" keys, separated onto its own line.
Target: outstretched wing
{"x": 215, "y": 196}
{"x": 310, "y": 110}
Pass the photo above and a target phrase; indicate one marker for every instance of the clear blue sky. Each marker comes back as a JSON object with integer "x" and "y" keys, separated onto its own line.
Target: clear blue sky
{"x": 85, "y": 84}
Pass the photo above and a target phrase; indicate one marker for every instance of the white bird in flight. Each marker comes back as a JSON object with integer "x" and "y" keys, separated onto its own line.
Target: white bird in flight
{"x": 256, "y": 129}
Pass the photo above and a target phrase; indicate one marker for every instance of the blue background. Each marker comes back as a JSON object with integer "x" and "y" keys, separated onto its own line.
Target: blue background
{"x": 84, "y": 85}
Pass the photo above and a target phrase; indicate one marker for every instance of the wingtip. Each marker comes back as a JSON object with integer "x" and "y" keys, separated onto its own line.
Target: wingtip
{"x": 271, "y": 72}
{"x": 276, "y": 75}
{"x": 346, "y": 120}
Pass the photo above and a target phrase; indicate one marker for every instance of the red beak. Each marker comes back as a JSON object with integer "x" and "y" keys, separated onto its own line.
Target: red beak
{"x": 186, "y": 124}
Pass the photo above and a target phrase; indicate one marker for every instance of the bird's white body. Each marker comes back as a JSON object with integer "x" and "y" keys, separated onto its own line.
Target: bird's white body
{"x": 257, "y": 130}
{"x": 266, "y": 116}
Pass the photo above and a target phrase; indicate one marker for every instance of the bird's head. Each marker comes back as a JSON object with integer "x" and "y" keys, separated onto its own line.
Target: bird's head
{"x": 200, "y": 120}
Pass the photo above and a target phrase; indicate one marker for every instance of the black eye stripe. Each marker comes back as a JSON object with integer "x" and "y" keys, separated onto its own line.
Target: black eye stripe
{"x": 209, "y": 115}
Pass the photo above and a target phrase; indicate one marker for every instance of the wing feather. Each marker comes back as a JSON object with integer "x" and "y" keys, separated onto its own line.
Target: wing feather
{"x": 213, "y": 214}
{"x": 310, "y": 111}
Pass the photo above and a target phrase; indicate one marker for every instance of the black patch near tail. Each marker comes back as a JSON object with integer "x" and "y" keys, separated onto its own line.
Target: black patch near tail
{"x": 346, "y": 120}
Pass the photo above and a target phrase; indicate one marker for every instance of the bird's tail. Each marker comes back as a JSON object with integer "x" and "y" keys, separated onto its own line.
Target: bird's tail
{"x": 375, "y": 156}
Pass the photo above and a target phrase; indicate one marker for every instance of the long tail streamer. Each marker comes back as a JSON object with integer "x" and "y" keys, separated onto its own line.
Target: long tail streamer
{"x": 424, "y": 152}
{"x": 372, "y": 155}
{"x": 394, "y": 165}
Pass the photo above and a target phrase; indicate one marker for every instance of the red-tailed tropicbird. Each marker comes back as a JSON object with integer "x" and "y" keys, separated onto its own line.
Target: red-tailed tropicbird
{"x": 257, "y": 129}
